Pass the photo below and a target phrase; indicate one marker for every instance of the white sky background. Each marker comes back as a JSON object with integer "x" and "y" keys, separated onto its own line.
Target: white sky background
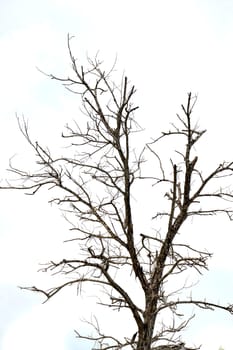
{"x": 167, "y": 49}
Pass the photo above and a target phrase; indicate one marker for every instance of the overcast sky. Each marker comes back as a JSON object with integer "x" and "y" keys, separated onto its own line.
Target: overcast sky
{"x": 167, "y": 48}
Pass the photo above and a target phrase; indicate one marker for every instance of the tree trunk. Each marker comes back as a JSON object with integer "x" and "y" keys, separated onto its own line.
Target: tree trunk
{"x": 145, "y": 338}
{"x": 146, "y": 335}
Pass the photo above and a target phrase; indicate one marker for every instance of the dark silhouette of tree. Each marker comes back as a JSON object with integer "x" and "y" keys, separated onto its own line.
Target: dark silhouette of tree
{"x": 95, "y": 185}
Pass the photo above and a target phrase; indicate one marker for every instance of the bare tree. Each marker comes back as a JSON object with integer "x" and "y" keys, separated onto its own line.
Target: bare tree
{"x": 94, "y": 188}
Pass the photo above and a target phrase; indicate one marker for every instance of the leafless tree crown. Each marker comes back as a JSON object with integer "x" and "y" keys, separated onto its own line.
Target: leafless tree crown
{"x": 94, "y": 188}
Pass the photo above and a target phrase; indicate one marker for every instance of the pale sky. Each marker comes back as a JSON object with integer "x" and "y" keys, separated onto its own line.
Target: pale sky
{"x": 167, "y": 48}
